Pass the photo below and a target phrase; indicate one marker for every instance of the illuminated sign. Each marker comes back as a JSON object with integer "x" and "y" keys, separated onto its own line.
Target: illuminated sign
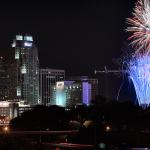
{"x": 60, "y": 85}
{"x": 27, "y": 44}
{"x": 19, "y": 37}
{"x": 28, "y": 38}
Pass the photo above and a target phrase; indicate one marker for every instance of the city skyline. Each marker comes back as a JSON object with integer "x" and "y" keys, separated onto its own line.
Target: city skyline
{"x": 70, "y": 35}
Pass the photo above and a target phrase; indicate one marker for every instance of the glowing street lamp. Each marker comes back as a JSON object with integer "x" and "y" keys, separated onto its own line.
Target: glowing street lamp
{"x": 107, "y": 128}
{"x": 6, "y": 129}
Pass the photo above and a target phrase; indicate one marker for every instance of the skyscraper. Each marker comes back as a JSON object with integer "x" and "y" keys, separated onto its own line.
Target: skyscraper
{"x": 48, "y": 78}
{"x": 25, "y": 58}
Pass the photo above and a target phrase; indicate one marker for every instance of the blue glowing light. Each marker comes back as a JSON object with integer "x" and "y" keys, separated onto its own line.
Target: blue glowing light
{"x": 60, "y": 94}
{"x": 139, "y": 73}
{"x": 27, "y": 44}
{"x": 86, "y": 94}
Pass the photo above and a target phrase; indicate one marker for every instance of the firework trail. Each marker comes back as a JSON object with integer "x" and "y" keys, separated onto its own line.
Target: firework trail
{"x": 139, "y": 64}
{"x": 139, "y": 73}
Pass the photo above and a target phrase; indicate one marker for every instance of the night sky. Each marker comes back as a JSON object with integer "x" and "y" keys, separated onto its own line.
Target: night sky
{"x": 78, "y": 36}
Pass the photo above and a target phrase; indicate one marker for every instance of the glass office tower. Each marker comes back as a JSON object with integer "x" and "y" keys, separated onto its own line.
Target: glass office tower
{"x": 25, "y": 56}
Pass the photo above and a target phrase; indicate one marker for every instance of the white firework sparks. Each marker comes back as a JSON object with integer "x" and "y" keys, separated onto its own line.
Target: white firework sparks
{"x": 139, "y": 73}
{"x": 140, "y": 27}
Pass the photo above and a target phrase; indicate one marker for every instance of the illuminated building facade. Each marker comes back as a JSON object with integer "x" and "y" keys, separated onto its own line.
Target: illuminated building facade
{"x": 92, "y": 81}
{"x": 25, "y": 59}
{"x": 10, "y": 110}
{"x": 48, "y": 78}
{"x": 69, "y": 93}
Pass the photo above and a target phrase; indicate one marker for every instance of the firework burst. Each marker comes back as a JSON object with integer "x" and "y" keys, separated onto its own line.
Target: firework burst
{"x": 140, "y": 27}
{"x": 139, "y": 73}
{"x": 139, "y": 64}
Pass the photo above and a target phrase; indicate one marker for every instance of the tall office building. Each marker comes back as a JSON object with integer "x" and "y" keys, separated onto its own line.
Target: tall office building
{"x": 48, "y": 78}
{"x": 26, "y": 66}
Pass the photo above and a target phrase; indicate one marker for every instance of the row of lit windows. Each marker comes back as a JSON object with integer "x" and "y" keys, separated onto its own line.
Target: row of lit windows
{"x": 52, "y": 72}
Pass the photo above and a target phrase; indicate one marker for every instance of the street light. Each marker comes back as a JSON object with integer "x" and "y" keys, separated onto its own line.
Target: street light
{"x": 6, "y": 129}
{"x": 108, "y": 128}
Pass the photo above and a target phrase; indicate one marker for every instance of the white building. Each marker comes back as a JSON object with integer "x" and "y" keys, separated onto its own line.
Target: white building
{"x": 10, "y": 110}
{"x": 48, "y": 78}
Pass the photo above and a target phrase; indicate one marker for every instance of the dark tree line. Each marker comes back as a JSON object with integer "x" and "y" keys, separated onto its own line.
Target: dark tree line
{"x": 103, "y": 120}
{"x": 41, "y": 118}
{"x": 121, "y": 116}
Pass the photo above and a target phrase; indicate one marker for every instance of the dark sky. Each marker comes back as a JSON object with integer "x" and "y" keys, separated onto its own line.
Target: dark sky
{"x": 78, "y": 36}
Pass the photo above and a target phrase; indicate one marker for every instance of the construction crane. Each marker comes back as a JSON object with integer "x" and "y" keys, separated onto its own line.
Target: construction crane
{"x": 106, "y": 72}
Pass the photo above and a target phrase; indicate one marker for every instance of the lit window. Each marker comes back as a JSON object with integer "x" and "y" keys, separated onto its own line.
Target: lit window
{"x": 23, "y": 69}
{"x": 18, "y": 91}
{"x": 36, "y": 71}
{"x": 17, "y": 54}
{"x": 13, "y": 44}
{"x": 19, "y": 37}
{"x": 28, "y": 38}
{"x": 27, "y": 44}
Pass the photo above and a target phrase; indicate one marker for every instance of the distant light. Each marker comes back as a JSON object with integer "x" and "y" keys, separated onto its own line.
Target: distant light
{"x": 19, "y": 37}
{"x": 27, "y": 44}
{"x": 18, "y": 91}
{"x": 36, "y": 71}
{"x": 108, "y": 128}
{"x": 60, "y": 85}
{"x": 13, "y": 44}
{"x": 23, "y": 69}
{"x": 5, "y": 129}
{"x": 102, "y": 145}
{"x": 28, "y": 38}
{"x": 4, "y": 104}
{"x": 17, "y": 54}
